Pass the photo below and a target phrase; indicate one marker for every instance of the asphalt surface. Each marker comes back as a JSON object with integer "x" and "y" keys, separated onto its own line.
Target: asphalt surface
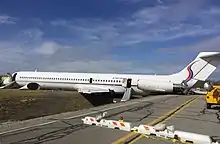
{"x": 68, "y": 128}
{"x": 194, "y": 118}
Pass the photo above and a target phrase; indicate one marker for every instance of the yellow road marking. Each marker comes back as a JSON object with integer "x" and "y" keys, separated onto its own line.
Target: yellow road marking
{"x": 156, "y": 120}
{"x": 186, "y": 105}
{"x": 135, "y": 140}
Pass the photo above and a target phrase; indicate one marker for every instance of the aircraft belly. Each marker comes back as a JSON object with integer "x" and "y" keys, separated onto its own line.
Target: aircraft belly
{"x": 21, "y": 83}
{"x": 57, "y": 86}
{"x": 49, "y": 85}
{"x": 139, "y": 92}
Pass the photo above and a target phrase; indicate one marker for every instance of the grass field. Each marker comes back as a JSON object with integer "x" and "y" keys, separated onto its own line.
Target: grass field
{"x": 25, "y": 104}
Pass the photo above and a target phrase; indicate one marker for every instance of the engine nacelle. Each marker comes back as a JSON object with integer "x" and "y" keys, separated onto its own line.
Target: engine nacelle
{"x": 31, "y": 86}
{"x": 208, "y": 86}
{"x": 150, "y": 85}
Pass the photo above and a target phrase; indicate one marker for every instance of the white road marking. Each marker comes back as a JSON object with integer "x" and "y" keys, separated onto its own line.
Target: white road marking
{"x": 106, "y": 109}
{"x": 32, "y": 126}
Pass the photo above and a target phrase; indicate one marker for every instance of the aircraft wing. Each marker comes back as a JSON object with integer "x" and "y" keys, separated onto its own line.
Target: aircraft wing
{"x": 90, "y": 90}
{"x": 160, "y": 90}
{"x": 199, "y": 92}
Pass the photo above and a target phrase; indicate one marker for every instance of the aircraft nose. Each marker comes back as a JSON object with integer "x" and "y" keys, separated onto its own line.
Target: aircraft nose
{"x": 6, "y": 81}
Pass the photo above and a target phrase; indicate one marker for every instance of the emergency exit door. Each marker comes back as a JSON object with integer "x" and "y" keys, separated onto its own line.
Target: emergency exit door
{"x": 90, "y": 80}
{"x": 129, "y": 83}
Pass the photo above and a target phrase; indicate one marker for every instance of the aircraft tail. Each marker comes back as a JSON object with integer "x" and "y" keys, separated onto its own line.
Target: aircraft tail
{"x": 200, "y": 68}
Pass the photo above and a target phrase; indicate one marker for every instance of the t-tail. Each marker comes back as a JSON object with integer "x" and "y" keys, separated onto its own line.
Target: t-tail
{"x": 199, "y": 69}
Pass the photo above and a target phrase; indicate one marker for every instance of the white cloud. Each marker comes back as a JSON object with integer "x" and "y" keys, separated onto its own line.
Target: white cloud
{"x": 88, "y": 46}
{"x": 91, "y": 66}
{"x": 48, "y": 48}
{"x": 5, "y": 19}
{"x": 206, "y": 45}
{"x": 158, "y": 23}
{"x": 35, "y": 52}
{"x": 212, "y": 11}
{"x": 210, "y": 45}
{"x": 34, "y": 34}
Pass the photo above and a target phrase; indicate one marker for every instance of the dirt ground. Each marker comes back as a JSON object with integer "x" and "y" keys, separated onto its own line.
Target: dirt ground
{"x": 23, "y": 104}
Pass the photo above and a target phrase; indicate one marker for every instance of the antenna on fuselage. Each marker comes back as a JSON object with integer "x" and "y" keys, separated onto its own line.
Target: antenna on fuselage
{"x": 35, "y": 70}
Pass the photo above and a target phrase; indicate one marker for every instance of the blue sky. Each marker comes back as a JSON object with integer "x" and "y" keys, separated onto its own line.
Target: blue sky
{"x": 131, "y": 36}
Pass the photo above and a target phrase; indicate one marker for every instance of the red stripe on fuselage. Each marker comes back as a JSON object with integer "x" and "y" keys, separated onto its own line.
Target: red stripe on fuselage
{"x": 74, "y": 83}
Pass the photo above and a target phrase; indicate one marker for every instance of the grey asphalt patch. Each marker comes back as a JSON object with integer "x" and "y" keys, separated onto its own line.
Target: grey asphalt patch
{"x": 23, "y": 125}
{"x": 73, "y": 131}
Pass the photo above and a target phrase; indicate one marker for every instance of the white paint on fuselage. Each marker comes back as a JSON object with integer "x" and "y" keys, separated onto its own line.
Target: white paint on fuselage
{"x": 71, "y": 81}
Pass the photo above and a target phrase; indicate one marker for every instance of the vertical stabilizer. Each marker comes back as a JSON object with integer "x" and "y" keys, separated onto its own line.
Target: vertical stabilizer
{"x": 200, "y": 68}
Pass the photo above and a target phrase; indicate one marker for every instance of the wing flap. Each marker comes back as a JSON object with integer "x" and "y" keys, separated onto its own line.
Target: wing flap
{"x": 90, "y": 90}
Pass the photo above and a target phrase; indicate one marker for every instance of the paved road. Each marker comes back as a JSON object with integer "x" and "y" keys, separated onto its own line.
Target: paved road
{"x": 194, "y": 118}
{"x": 71, "y": 130}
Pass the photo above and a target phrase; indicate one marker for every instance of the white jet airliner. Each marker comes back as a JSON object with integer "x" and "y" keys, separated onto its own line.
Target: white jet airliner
{"x": 198, "y": 70}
